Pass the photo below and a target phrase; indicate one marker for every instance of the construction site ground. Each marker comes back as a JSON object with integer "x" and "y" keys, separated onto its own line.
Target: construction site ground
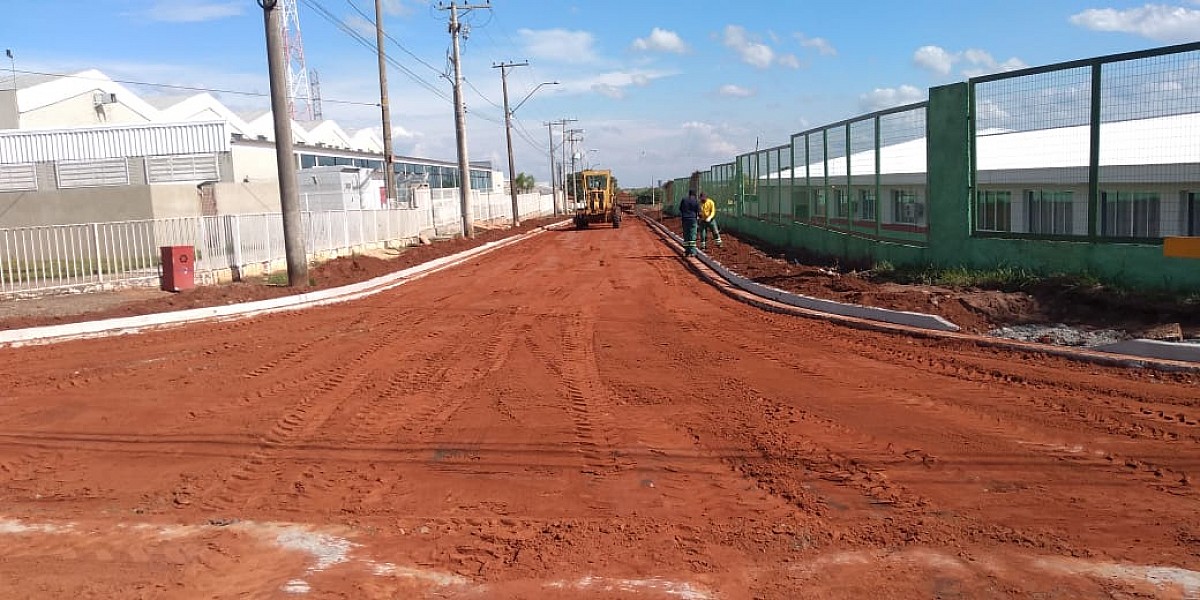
{"x": 579, "y": 416}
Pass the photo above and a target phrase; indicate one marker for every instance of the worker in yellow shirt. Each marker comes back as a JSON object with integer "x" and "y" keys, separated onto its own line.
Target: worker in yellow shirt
{"x": 708, "y": 221}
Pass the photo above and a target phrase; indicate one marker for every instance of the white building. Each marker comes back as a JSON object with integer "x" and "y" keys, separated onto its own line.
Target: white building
{"x": 85, "y": 148}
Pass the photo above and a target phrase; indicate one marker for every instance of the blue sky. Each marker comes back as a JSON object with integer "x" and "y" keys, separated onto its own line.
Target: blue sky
{"x": 660, "y": 88}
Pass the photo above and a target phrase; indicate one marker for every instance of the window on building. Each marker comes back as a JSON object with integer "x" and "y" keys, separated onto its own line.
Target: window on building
{"x": 18, "y": 178}
{"x": 182, "y": 167}
{"x": 841, "y": 203}
{"x": 1050, "y": 212}
{"x": 819, "y": 205}
{"x": 993, "y": 210}
{"x": 1192, "y": 214}
{"x": 481, "y": 180}
{"x": 865, "y": 210}
{"x": 906, "y": 209}
{"x": 1130, "y": 214}
{"x": 92, "y": 173}
{"x": 800, "y": 205}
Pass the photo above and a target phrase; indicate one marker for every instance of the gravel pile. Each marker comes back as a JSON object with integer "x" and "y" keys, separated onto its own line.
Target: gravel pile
{"x": 1060, "y": 335}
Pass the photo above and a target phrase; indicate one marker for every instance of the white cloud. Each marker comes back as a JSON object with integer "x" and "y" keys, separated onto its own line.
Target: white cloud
{"x": 751, "y": 52}
{"x": 881, "y": 98}
{"x": 559, "y": 45}
{"x": 609, "y": 90}
{"x": 978, "y": 62}
{"x": 1158, "y": 22}
{"x": 193, "y": 12}
{"x": 710, "y": 140}
{"x": 934, "y": 58}
{"x": 790, "y": 61}
{"x": 821, "y": 45}
{"x": 613, "y": 84}
{"x": 735, "y": 91}
{"x": 396, "y": 8}
{"x": 661, "y": 40}
{"x": 983, "y": 63}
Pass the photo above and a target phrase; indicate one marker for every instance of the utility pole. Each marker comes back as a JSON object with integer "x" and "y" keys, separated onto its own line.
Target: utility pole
{"x": 460, "y": 119}
{"x": 574, "y": 137}
{"x": 389, "y": 174}
{"x": 562, "y": 164}
{"x": 512, "y": 169}
{"x": 553, "y": 187}
{"x": 293, "y": 225}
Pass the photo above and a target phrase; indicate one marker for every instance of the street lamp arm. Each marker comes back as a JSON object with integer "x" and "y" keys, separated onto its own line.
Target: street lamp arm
{"x": 530, "y": 95}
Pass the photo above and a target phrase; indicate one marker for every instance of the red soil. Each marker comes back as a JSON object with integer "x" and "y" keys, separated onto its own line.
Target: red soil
{"x": 578, "y": 416}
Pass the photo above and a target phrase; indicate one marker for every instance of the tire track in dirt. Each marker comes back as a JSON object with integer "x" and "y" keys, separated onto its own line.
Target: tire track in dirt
{"x": 462, "y": 374}
{"x": 792, "y": 458}
{"x": 378, "y": 421}
{"x": 590, "y": 400}
{"x": 868, "y": 479}
{"x": 245, "y": 482}
{"x": 781, "y": 356}
{"x": 989, "y": 410}
{"x": 1103, "y": 410}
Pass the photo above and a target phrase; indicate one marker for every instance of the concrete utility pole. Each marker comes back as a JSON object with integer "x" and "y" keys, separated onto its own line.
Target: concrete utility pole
{"x": 562, "y": 164}
{"x": 293, "y": 225}
{"x": 460, "y": 119}
{"x": 512, "y": 170}
{"x": 574, "y": 136}
{"x": 553, "y": 176}
{"x": 389, "y": 173}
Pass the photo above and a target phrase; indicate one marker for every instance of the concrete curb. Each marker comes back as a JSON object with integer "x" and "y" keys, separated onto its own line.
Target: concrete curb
{"x": 127, "y": 325}
{"x": 1164, "y": 356}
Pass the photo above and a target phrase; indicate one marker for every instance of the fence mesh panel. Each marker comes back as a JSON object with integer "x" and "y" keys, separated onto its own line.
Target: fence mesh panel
{"x": 1149, "y": 159}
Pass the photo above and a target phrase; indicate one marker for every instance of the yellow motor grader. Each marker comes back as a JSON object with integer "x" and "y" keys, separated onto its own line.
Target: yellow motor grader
{"x": 594, "y": 199}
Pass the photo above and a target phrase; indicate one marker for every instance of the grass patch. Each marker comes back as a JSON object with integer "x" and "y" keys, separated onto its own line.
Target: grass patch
{"x": 1009, "y": 279}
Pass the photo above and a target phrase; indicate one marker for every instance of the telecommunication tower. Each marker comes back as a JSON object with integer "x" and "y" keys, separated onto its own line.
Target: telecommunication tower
{"x": 303, "y": 104}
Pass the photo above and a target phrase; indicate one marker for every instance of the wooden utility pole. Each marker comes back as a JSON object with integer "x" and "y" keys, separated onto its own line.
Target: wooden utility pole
{"x": 512, "y": 170}
{"x": 460, "y": 119}
{"x": 389, "y": 173}
{"x": 289, "y": 202}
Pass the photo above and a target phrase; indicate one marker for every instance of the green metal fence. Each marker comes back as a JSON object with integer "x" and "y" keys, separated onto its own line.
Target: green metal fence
{"x": 1103, "y": 149}
{"x": 1079, "y": 167}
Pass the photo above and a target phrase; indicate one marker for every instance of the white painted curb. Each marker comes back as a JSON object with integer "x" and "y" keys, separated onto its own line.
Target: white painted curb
{"x": 126, "y": 325}
{"x": 1154, "y": 349}
{"x": 897, "y": 317}
{"x": 1129, "y": 349}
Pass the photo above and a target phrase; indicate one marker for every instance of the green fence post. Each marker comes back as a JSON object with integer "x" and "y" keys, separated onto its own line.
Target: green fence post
{"x": 948, "y": 173}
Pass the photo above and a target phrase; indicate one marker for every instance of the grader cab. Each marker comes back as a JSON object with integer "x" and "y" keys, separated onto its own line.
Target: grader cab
{"x": 595, "y": 199}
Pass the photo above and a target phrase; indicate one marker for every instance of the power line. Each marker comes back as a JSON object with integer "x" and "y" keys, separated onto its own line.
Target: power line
{"x": 180, "y": 87}
{"x": 392, "y": 39}
{"x": 480, "y": 94}
{"x": 336, "y": 22}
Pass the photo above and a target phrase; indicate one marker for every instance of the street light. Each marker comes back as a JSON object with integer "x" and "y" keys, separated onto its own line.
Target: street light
{"x": 527, "y": 96}
{"x": 512, "y": 169}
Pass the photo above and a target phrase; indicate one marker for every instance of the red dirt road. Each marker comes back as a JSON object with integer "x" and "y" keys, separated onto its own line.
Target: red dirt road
{"x": 579, "y": 417}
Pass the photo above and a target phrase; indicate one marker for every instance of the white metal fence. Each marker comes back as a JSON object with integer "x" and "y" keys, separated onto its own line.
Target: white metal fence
{"x": 61, "y": 257}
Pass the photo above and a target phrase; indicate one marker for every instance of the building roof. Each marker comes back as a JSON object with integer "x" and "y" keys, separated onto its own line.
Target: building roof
{"x": 1167, "y": 140}
{"x": 38, "y": 91}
